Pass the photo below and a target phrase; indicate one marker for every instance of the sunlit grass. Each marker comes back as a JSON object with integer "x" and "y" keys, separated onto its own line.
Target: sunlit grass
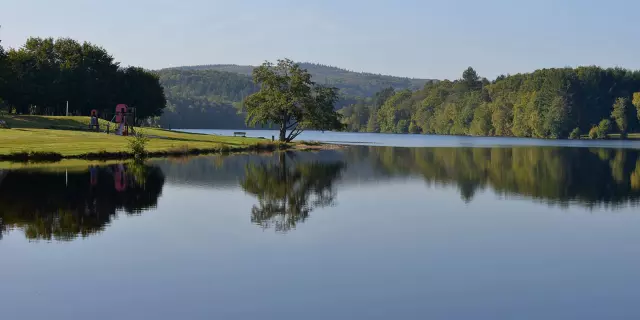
{"x": 65, "y": 135}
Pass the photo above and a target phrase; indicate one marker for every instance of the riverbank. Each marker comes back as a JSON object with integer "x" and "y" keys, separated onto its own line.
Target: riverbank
{"x": 42, "y": 138}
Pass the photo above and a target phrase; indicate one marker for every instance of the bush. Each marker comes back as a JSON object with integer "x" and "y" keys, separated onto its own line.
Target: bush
{"x": 575, "y": 134}
{"x": 138, "y": 145}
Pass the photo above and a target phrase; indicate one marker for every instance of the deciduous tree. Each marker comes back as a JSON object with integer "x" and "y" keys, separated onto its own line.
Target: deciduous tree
{"x": 289, "y": 99}
{"x": 619, "y": 115}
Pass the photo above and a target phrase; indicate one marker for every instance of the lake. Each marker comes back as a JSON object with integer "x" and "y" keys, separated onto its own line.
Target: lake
{"x": 420, "y": 140}
{"x": 509, "y": 231}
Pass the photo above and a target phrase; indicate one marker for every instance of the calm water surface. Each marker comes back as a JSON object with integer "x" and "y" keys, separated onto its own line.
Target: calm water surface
{"x": 366, "y": 232}
{"x": 420, "y": 140}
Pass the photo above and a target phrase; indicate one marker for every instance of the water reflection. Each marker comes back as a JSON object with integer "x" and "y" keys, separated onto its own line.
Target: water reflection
{"x": 287, "y": 187}
{"x": 554, "y": 175}
{"x": 65, "y": 205}
{"x": 288, "y": 190}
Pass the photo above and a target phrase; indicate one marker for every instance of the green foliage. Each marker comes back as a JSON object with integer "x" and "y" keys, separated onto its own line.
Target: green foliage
{"x": 45, "y": 73}
{"x": 350, "y": 84}
{"x": 619, "y": 115}
{"x": 138, "y": 145}
{"x": 372, "y": 123}
{"x": 593, "y": 133}
{"x": 289, "y": 99}
{"x": 471, "y": 79}
{"x": 403, "y": 126}
{"x": 546, "y": 103}
{"x": 413, "y": 128}
{"x": 393, "y": 111}
{"x": 603, "y": 129}
{"x": 575, "y": 134}
{"x": 210, "y": 96}
{"x": 636, "y": 102}
{"x": 204, "y": 98}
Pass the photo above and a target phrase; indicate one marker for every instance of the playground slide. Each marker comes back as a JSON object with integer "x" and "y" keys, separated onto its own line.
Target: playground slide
{"x": 120, "y": 129}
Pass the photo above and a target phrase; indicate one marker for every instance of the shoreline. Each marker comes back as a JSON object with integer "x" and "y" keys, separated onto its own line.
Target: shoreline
{"x": 44, "y": 157}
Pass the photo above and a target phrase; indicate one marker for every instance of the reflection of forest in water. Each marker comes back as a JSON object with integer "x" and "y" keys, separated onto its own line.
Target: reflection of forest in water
{"x": 288, "y": 187}
{"x": 554, "y": 175}
{"x": 62, "y": 206}
{"x": 287, "y": 190}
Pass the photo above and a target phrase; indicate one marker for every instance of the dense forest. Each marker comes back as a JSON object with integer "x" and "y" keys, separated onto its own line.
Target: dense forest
{"x": 204, "y": 98}
{"x": 548, "y": 103}
{"x": 210, "y": 96}
{"x": 44, "y": 74}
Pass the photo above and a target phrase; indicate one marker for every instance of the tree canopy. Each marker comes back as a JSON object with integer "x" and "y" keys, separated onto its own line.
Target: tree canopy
{"x": 42, "y": 75}
{"x": 548, "y": 103}
{"x": 289, "y": 99}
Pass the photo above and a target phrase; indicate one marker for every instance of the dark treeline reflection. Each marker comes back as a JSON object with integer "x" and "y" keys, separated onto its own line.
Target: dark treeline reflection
{"x": 63, "y": 206}
{"x": 288, "y": 189}
{"x": 552, "y": 174}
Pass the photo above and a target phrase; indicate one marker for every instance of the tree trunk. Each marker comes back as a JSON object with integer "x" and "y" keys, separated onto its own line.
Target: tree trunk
{"x": 283, "y": 131}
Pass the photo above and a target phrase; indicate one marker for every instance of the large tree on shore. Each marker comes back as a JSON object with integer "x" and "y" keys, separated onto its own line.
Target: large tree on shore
{"x": 289, "y": 99}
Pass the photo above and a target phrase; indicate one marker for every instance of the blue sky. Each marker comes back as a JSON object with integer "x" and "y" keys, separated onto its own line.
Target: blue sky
{"x": 427, "y": 39}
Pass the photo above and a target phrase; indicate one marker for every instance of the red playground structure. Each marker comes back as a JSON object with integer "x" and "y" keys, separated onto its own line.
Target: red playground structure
{"x": 125, "y": 119}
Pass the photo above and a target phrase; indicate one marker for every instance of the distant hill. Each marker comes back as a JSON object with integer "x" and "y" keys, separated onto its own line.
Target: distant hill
{"x": 203, "y": 99}
{"x": 210, "y": 96}
{"x": 350, "y": 83}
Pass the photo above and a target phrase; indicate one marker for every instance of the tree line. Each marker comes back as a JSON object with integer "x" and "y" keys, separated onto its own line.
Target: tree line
{"x": 547, "y": 103}
{"x": 45, "y": 73}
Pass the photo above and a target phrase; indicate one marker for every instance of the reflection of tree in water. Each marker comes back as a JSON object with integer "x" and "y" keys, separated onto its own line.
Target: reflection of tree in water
{"x": 288, "y": 191}
{"x": 55, "y": 205}
{"x": 552, "y": 174}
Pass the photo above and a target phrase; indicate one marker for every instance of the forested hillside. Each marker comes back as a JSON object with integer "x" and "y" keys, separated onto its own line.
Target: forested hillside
{"x": 351, "y": 84}
{"x": 548, "y": 103}
{"x": 210, "y": 96}
{"x": 204, "y": 98}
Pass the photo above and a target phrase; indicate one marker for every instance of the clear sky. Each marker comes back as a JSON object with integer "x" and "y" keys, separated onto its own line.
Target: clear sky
{"x": 416, "y": 38}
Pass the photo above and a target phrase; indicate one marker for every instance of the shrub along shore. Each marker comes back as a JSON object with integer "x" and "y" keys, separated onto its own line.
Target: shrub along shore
{"x": 41, "y": 138}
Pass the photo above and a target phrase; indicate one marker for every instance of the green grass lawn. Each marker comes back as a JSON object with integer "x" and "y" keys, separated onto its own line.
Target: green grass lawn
{"x": 64, "y": 135}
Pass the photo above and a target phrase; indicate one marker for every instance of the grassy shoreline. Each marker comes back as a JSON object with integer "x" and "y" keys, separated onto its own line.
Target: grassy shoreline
{"x": 49, "y": 139}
